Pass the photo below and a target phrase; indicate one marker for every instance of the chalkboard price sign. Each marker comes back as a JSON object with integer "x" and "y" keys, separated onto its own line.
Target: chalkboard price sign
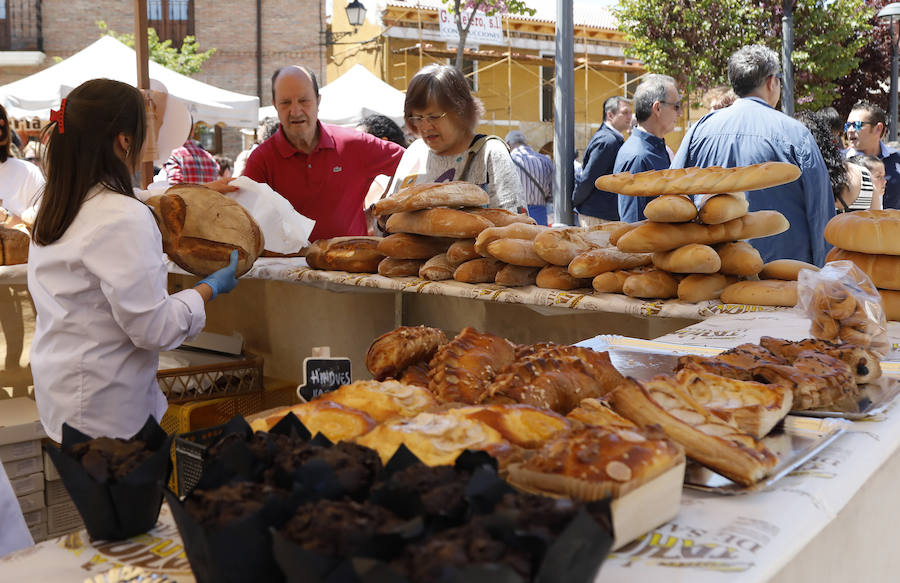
{"x": 323, "y": 375}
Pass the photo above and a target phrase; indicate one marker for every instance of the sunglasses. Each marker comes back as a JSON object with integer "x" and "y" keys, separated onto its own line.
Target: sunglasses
{"x": 676, "y": 106}
{"x": 432, "y": 119}
{"x": 856, "y": 125}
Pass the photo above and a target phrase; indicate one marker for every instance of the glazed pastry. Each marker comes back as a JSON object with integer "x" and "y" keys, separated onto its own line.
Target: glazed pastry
{"x": 462, "y": 369}
{"x": 382, "y": 400}
{"x": 394, "y": 351}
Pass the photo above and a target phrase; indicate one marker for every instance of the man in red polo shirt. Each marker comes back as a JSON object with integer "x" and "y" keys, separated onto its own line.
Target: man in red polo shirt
{"x": 323, "y": 170}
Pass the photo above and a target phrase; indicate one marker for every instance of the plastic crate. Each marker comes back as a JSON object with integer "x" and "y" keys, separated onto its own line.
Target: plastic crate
{"x": 189, "y": 457}
{"x": 223, "y": 377}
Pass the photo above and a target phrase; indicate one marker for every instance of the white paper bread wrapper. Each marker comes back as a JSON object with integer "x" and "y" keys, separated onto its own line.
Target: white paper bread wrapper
{"x": 284, "y": 229}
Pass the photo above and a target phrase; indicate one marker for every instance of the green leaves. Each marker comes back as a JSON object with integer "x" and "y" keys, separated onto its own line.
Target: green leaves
{"x": 187, "y": 61}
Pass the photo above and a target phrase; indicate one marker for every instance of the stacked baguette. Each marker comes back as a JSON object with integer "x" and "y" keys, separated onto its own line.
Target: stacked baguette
{"x": 871, "y": 240}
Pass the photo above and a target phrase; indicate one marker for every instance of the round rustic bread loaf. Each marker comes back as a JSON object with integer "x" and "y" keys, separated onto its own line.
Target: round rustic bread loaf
{"x": 867, "y": 231}
{"x": 200, "y": 228}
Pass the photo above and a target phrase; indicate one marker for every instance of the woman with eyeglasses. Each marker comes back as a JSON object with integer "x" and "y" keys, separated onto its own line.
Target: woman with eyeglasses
{"x": 442, "y": 113}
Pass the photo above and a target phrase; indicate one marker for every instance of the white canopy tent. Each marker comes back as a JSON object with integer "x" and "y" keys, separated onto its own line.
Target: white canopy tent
{"x": 353, "y": 96}
{"x": 36, "y": 94}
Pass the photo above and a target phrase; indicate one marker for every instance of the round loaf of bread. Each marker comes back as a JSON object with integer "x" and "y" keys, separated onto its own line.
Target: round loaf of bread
{"x": 200, "y": 228}
{"x": 867, "y": 231}
{"x": 883, "y": 270}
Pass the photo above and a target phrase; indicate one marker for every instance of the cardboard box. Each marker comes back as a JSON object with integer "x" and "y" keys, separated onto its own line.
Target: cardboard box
{"x": 50, "y": 473}
{"x": 35, "y": 517}
{"x": 56, "y": 493}
{"x": 648, "y": 506}
{"x": 19, "y": 421}
{"x": 20, "y": 450}
{"x": 63, "y": 518}
{"x": 23, "y": 467}
{"x": 31, "y": 502}
{"x": 28, "y": 484}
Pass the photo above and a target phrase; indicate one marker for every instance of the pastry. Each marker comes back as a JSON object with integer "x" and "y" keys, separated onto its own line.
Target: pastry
{"x": 382, "y": 400}
{"x": 462, "y": 369}
{"x": 393, "y": 351}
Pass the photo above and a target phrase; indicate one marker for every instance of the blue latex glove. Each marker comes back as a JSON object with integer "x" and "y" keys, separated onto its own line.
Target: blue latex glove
{"x": 223, "y": 280}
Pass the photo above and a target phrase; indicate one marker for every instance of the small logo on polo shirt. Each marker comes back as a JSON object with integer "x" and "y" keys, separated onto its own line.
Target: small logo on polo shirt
{"x": 336, "y": 169}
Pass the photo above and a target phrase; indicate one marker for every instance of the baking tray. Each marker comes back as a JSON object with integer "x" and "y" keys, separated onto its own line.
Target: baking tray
{"x": 870, "y": 400}
{"x": 794, "y": 440}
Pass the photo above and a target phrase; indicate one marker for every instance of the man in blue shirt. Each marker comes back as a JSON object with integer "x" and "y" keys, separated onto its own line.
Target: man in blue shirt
{"x": 751, "y": 131}
{"x": 657, "y": 106}
{"x": 865, "y": 127}
{"x": 598, "y": 206}
{"x": 535, "y": 173}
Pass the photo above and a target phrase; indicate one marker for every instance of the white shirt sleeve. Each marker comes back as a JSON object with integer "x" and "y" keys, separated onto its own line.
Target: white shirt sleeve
{"x": 127, "y": 259}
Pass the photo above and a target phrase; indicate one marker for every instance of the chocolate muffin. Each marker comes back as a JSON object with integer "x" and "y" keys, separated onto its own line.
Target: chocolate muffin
{"x": 229, "y": 503}
{"x": 441, "y": 489}
{"x": 108, "y": 460}
{"x": 341, "y": 528}
{"x": 537, "y": 514}
{"x": 355, "y": 467}
{"x": 457, "y": 548}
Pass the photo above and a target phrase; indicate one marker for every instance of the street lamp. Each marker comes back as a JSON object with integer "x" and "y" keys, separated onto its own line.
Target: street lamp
{"x": 356, "y": 15}
{"x": 889, "y": 12}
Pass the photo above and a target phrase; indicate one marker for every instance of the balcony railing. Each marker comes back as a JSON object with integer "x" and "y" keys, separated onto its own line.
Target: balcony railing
{"x": 20, "y": 25}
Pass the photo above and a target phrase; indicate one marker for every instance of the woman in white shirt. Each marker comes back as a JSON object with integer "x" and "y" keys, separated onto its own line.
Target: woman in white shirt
{"x": 442, "y": 113}
{"x": 97, "y": 275}
{"x": 20, "y": 181}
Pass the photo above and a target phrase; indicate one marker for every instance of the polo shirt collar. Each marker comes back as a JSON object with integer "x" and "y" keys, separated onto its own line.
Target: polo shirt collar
{"x": 648, "y": 137}
{"x": 886, "y": 150}
{"x": 286, "y": 149}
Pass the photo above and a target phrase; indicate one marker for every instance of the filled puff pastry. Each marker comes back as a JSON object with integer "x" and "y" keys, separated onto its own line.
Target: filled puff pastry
{"x": 521, "y": 425}
{"x": 864, "y": 364}
{"x": 391, "y": 353}
{"x": 382, "y": 400}
{"x": 705, "y": 437}
{"x": 462, "y": 369}
{"x": 333, "y": 420}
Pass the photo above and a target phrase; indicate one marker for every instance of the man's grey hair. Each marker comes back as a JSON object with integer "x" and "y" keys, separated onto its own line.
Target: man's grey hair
{"x": 612, "y": 105}
{"x": 750, "y": 66}
{"x": 652, "y": 89}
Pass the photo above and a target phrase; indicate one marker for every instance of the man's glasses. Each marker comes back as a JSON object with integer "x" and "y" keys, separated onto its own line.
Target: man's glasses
{"x": 856, "y": 125}
{"x": 779, "y": 76}
{"x": 432, "y": 119}
{"x": 676, "y": 106}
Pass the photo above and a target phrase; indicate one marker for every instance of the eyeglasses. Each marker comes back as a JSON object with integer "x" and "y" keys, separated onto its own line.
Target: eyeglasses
{"x": 856, "y": 125}
{"x": 779, "y": 76}
{"x": 676, "y": 106}
{"x": 432, "y": 119}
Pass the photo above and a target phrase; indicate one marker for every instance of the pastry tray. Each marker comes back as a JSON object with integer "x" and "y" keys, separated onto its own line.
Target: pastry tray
{"x": 794, "y": 440}
{"x": 871, "y": 399}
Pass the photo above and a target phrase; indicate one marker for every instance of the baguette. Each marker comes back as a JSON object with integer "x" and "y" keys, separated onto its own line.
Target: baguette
{"x": 512, "y": 231}
{"x": 712, "y": 180}
{"x": 691, "y": 258}
{"x": 786, "y": 269}
{"x": 615, "y": 235}
{"x": 610, "y": 282}
{"x": 438, "y": 222}
{"x": 437, "y": 268}
{"x": 706, "y": 438}
{"x": 558, "y": 277}
{"x": 739, "y": 258}
{"x": 866, "y": 231}
{"x": 462, "y": 250}
{"x": 652, "y": 237}
{"x": 597, "y": 261}
{"x": 769, "y": 292}
{"x": 721, "y": 208}
{"x": 652, "y": 284}
{"x": 560, "y": 246}
{"x": 430, "y": 195}
{"x": 699, "y": 287}
{"x": 516, "y": 275}
{"x": 501, "y": 217}
{"x": 481, "y": 270}
{"x": 515, "y": 252}
{"x": 393, "y": 267}
{"x": 409, "y": 246}
{"x": 883, "y": 270}
{"x": 351, "y": 254}
{"x": 670, "y": 208}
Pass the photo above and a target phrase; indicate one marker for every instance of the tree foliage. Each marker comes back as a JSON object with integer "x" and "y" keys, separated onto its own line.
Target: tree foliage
{"x": 692, "y": 40}
{"x": 465, "y": 9}
{"x": 187, "y": 61}
{"x": 870, "y": 79}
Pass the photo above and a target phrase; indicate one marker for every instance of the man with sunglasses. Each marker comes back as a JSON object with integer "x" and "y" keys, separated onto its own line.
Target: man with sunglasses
{"x": 752, "y": 131}
{"x": 657, "y": 107}
{"x": 864, "y": 129}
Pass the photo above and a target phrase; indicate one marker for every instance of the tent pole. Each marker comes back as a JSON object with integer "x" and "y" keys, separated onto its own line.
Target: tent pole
{"x": 142, "y": 52}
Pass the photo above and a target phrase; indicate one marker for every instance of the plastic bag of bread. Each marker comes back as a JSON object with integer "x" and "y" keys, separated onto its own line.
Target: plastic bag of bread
{"x": 844, "y": 306}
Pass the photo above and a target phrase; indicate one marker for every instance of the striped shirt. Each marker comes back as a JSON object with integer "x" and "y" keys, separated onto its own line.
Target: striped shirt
{"x": 864, "y": 200}
{"x": 535, "y": 174}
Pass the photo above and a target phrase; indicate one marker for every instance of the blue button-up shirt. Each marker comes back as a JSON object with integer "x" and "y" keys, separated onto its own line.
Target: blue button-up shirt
{"x": 641, "y": 152}
{"x": 599, "y": 160}
{"x": 751, "y": 132}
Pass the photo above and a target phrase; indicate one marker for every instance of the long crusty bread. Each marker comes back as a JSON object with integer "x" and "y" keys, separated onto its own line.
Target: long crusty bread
{"x": 705, "y": 437}
{"x": 768, "y": 292}
{"x": 698, "y": 287}
{"x": 430, "y": 195}
{"x": 739, "y": 258}
{"x": 721, "y": 208}
{"x": 501, "y": 217}
{"x": 690, "y": 258}
{"x": 438, "y": 222}
{"x": 786, "y": 269}
{"x": 560, "y": 246}
{"x": 670, "y": 208}
{"x": 409, "y": 246}
{"x": 516, "y": 275}
{"x": 651, "y": 284}
{"x": 651, "y": 237}
{"x": 558, "y": 277}
{"x": 712, "y": 180}
{"x": 480, "y": 270}
{"x": 597, "y": 261}
{"x": 512, "y": 231}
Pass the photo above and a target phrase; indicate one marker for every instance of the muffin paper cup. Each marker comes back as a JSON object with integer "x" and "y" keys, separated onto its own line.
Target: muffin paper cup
{"x": 121, "y": 509}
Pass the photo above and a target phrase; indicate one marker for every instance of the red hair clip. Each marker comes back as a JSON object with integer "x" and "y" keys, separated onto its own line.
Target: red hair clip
{"x": 59, "y": 116}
